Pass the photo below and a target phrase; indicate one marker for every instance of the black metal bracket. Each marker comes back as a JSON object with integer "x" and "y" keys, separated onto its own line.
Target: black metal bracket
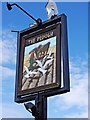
{"x": 15, "y": 31}
{"x": 9, "y": 6}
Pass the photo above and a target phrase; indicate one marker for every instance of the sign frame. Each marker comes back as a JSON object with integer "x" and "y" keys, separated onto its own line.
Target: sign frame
{"x": 62, "y": 21}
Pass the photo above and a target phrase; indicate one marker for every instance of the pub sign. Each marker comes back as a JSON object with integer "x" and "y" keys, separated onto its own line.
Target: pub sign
{"x": 40, "y": 60}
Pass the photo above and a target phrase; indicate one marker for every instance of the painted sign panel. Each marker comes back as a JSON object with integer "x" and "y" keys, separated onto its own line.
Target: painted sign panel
{"x": 38, "y": 64}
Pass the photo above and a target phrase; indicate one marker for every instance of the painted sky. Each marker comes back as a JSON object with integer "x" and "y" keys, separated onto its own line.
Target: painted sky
{"x": 70, "y": 105}
{"x": 31, "y": 47}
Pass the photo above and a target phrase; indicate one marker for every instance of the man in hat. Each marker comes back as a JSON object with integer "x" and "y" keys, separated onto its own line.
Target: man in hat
{"x": 32, "y": 56}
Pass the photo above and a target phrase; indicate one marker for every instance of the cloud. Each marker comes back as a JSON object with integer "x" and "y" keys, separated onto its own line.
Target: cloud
{"x": 13, "y": 110}
{"x": 76, "y": 101}
{"x": 6, "y": 72}
{"x": 83, "y": 114}
{"x": 7, "y": 76}
{"x": 8, "y": 48}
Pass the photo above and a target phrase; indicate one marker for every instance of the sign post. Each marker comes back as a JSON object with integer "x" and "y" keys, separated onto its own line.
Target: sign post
{"x": 41, "y": 103}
